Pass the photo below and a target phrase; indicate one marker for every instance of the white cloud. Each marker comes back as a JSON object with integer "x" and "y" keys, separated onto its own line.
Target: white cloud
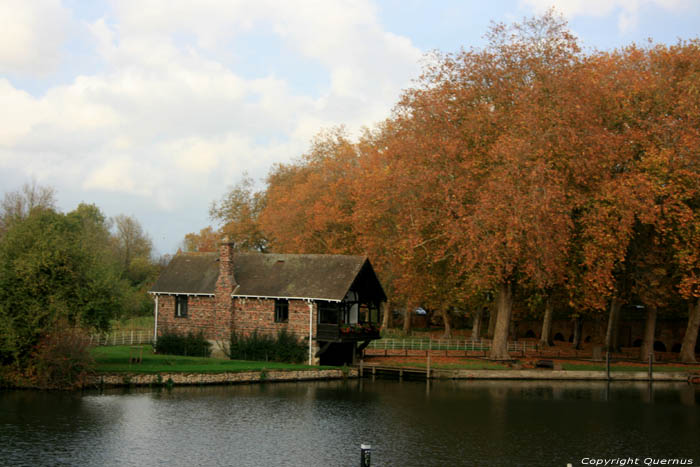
{"x": 173, "y": 116}
{"x": 627, "y": 10}
{"x": 31, "y": 35}
{"x": 116, "y": 175}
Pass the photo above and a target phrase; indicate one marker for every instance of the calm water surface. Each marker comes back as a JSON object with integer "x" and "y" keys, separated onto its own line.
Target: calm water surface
{"x": 323, "y": 424}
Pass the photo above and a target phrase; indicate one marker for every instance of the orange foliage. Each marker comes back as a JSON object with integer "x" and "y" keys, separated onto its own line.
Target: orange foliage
{"x": 527, "y": 163}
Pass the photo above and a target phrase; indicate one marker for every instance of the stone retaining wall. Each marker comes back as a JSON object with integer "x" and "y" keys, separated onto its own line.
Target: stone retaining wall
{"x": 141, "y": 379}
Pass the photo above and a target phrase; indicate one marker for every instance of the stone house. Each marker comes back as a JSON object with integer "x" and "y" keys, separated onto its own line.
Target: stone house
{"x": 331, "y": 302}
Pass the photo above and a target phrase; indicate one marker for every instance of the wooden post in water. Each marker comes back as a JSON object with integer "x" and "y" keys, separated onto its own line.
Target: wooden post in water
{"x": 607, "y": 365}
{"x": 427, "y": 374}
{"x": 365, "y": 455}
{"x": 361, "y": 365}
{"x": 651, "y": 364}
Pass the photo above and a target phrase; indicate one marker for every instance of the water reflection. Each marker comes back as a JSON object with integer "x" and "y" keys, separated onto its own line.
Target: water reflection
{"x": 407, "y": 423}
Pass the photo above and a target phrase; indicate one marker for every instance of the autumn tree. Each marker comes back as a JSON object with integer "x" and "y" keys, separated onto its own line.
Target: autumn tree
{"x": 653, "y": 179}
{"x": 505, "y": 206}
{"x": 238, "y": 212}
{"x": 308, "y": 203}
{"x": 205, "y": 241}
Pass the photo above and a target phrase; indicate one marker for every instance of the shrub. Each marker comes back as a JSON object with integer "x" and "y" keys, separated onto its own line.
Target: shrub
{"x": 190, "y": 344}
{"x": 284, "y": 347}
{"x": 289, "y": 348}
{"x": 62, "y": 359}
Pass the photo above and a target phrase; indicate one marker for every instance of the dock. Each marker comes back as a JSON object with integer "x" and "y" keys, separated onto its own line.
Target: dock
{"x": 399, "y": 372}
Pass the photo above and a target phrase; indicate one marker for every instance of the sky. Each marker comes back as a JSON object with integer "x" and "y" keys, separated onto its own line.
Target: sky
{"x": 155, "y": 108}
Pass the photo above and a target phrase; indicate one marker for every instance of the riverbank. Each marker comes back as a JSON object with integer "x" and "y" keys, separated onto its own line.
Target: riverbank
{"x": 442, "y": 367}
{"x": 140, "y": 366}
{"x": 561, "y": 375}
{"x": 523, "y": 374}
{"x": 242, "y": 377}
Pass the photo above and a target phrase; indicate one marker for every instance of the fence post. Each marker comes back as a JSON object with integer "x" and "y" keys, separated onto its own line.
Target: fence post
{"x": 365, "y": 455}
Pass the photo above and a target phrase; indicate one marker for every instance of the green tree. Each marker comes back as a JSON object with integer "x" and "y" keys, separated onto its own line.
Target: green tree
{"x": 55, "y": 266}
{"x": 17, "y": 205}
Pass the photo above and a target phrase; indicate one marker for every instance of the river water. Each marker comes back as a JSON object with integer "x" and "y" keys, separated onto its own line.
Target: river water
{"x": 407, "y": 423}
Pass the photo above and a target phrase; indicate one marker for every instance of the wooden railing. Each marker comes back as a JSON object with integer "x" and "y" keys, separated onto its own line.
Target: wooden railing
{"x": 123, "y": 337}
{"x": 333, "y": 332}
{"x": 445, "y": 344}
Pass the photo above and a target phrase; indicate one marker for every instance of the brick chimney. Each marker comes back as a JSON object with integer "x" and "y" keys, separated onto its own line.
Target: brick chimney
{"x": 226, "y": 277}
{"x": 225, "y": 285}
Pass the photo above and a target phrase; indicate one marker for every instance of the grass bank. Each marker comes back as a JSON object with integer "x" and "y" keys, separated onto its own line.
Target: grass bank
{"x": 115, "y": 359}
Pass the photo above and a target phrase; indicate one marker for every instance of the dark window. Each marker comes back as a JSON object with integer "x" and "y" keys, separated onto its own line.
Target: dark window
{"x": 181, "y": 306}
{"x": 328, "y": 312}
{"x": 281, "y": 311}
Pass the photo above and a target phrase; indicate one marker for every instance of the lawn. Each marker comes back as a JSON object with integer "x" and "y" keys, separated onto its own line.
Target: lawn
{"x": 115, "y": 359}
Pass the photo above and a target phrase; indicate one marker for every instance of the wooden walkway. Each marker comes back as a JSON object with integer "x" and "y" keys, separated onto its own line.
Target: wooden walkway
{"x": 394, "y": 371}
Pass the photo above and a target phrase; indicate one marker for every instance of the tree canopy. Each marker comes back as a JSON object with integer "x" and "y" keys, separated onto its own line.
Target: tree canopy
{"x": 526, "y": 168}
{"x": 54, "y": 266}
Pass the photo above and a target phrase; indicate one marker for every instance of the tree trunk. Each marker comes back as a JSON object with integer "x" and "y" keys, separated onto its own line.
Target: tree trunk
{"x": 504, "y": 302}
{"x": 649, "y": 331}
{"x": 546, "y": 336}
{"x": 476, "y": 324}
{"x": 446, "y": 322}
{"x": 493, "y": 316}
{"x": 513, "y": 330}
{"x": 578, "y": 325}
{"x": 613, "y": 319}
{"x": 691, "y": 334}
{"x": 407, "y": 320}
{"x": 386, "y": 315}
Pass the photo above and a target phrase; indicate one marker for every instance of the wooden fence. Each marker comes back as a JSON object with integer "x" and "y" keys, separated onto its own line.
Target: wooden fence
{"x": 124, "y": 337}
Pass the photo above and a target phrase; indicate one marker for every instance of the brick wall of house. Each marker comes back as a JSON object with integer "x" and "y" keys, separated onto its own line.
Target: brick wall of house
{"x": 202, "y": 315}
{"x": 205, "y": 314}
{"x": 250, "y": 314}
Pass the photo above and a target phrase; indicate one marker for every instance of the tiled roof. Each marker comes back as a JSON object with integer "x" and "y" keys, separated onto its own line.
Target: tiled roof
{"x": 325, "y": 277}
